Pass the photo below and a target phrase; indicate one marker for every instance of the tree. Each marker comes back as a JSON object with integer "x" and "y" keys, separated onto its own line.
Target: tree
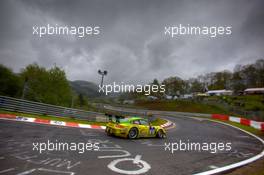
{"x": 259, "y": 65}
{"x": 47, "y": 86}
{"x": 221, "y": 80}
{"x": 196, "y": 86}
{"x": 59, "y": 86}
{"x": 249, "y": 74}
{"x": 237, "y": 82}
{"x": 36, "y": 81}
{"x": 155, "y": 82}
{"x": 10, "y": 83}
{"x": 174, "y": 86}
{"x": 81, "y": 100}
{"x": 158, "y": 93}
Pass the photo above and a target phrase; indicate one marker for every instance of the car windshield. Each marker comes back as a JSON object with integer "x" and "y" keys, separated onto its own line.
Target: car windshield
{"x": 123, "y": 120}
{"x": 135, "y": 122}
{"x": 143, "y": 122}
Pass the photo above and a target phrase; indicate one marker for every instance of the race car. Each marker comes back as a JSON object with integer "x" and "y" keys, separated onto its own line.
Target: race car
{"x": 134, "y": 127}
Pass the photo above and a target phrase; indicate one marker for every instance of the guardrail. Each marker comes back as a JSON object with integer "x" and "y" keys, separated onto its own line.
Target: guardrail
{"x": 25, "y": 106}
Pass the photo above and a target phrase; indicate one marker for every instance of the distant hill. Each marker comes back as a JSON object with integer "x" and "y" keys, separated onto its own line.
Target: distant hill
{"x": 86, "y": 88}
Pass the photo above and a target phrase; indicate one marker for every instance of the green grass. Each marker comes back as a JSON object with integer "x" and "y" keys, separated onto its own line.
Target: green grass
{"x": 245, "y": 102}
{"x": 181, "y": 106}
{"x": 65, "y": 119}
{"x": 249, "y": 106}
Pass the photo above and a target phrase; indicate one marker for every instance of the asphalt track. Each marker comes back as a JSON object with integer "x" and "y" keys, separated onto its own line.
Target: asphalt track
{"x": 146, "y": 156}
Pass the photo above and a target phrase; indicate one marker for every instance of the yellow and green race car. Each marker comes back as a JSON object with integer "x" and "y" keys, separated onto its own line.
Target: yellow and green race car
{"x": 134, "y": 127}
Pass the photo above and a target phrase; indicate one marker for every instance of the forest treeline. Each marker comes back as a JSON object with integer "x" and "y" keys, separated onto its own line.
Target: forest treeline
{"x": 51, "y": 86}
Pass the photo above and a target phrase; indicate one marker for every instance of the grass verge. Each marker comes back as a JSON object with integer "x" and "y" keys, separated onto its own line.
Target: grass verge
{"x": 181, "y": 106}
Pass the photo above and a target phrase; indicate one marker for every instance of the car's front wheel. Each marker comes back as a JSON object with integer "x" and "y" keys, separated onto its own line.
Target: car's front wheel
{"x": 133, "y": 133}
{"x": 161, "y": 134}
{"x": 108, "y": 131}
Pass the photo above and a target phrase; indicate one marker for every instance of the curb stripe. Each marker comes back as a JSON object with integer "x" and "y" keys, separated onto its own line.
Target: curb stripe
{"x": 256, "y": 125}
{"x": 243, "y": 121}
{"x": 72, "y": 124}
{"x": 26, "y": 119}
{"x": 48, "y": 122}
{"x": 60, "y": 123}
{"x": 220, "y": 116}
{"x": 42, "y": 121}
{"x": 234, "y": 119}
{"x": 7, "y": 116}
{"x": 95, "y": 127}
{"x": 84, "y": 125}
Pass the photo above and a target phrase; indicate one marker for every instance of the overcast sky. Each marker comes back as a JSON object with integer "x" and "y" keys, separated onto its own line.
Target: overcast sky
{"x": 131, "y": 45}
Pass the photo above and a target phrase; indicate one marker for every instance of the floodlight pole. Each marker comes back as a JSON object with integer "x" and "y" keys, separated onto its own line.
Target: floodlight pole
{"x": 102, "y": 73}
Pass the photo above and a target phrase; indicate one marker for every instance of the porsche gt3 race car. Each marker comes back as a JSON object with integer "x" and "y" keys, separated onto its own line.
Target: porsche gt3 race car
{"x": 134, "y": 127}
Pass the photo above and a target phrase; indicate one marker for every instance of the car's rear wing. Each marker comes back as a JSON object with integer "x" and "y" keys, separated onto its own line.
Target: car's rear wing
{"x": 115, "y": 118}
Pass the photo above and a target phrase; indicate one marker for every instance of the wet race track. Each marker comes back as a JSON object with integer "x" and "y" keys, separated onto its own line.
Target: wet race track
{"x": 121, "y": 156}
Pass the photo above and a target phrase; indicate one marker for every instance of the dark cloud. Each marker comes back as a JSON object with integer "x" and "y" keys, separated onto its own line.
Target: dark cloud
{"x": 132, "y": 45}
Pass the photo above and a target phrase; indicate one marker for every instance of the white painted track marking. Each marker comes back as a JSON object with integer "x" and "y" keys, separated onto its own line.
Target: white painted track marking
{"x": 7, "y": 170}
{"x": 115, "y": 156}
{"x": 238, "y": 164}
{"x": 137, "y": 160}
